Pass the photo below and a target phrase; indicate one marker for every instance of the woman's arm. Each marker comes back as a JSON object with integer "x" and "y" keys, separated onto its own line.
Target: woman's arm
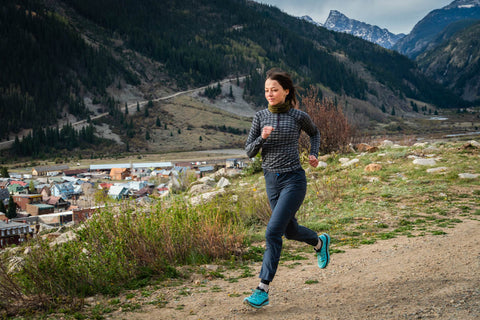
{"x": 254, "y": 140}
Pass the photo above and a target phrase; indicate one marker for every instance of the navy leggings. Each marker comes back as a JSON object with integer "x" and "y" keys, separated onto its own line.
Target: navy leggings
{"x": 285, "y": 192}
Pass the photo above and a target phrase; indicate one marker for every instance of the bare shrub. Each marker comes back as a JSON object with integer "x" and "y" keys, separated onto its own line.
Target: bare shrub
{"x": 335, "y": 131}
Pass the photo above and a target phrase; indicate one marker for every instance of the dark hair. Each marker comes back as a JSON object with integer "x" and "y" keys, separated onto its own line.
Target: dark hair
{"x": 285, "y": 80}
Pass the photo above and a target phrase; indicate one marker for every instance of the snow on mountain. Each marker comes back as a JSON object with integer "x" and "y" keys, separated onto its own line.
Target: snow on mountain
{"x": 337, "y": 21}
{"x": 425, "y": 32}
{"x": 463, "y": 4}
{"x": 309, "y": 19}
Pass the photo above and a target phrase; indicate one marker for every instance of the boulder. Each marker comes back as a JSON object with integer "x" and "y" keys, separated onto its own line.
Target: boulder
{"x": 350, "y": 163}
{"x": 208, "y": 181}
{"x": 386, "y": 144}
{"x": 468, "y": 175}
{"x": 373, "y": 167}
{"x": 472, "y": 144}
{"x": 200, "y": 188}
{"x": 174, "y": 183}
{"x": 363, "y": 147}
{"x": 425, "y": 162}
{"x": 206, "y": 197}
{"x": 420, "y": 144}
{"x": 223, "y": 182}
{"x": 437, "y": 170}
{"x": 325, "y": 157}
{"x": 321, "y": 164}
{"x": 63, "y": 238}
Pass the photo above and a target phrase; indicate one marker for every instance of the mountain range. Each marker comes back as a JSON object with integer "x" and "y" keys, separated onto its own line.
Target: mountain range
{"x": 423, "y": 34}
{"x": 74, "y": 59}
{"x": 337, "y": 21}
{"x": 443, "y": 43}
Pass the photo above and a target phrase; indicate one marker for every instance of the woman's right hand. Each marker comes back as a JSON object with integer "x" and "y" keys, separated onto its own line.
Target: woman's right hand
{"x": 266, "y": 131}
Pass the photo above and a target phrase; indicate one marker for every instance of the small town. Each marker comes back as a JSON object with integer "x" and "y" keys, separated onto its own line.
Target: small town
{"x": 57, "y": 195}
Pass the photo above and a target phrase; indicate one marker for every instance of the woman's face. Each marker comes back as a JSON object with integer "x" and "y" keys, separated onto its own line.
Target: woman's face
{"x": 274, "y": 92}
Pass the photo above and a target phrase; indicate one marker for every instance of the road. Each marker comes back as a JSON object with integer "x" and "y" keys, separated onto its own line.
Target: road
{"x": 133, "y": 106}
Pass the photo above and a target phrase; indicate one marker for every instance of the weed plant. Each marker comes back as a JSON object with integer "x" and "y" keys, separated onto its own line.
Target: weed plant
{"x": 116, "y": 249}
{"x": 127, "y": 246}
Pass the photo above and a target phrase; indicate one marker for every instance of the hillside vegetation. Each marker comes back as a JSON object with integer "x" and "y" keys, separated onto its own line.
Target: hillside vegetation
{"x": 455, "y": 61}
{"x": 127, "y": 246}
{"x": 76, "y": 59}
{"x": 47, "y": 68}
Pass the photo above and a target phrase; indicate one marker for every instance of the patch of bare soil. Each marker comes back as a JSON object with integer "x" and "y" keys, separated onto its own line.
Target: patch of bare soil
{"x": 429, "y": 277}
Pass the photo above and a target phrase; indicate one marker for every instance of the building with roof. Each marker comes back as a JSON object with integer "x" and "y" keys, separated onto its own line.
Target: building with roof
{"x": 16, "y": 189}
{"x": 4, "y": 183}
{"x": 38, "y": 209}
{"x": 57, "y": 202}
{"x": 74, "y": 172}
{"x": 143, "y": 165}
{"x": 12, "y": 232}
{"x": 119, "y": 173}
{"x": 202, "y": 171}
{"x": 65, "y": 190}
{"x": 118, "y": 192}
{"x": 22, "y": 200}
{"x": 48, "y": 170}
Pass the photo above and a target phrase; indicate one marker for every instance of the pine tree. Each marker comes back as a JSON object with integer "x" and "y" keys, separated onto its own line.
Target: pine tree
{"x": 4, "y": 172}
{"x": 414, "y": 107}
{"x": 158, "y": 123}
{"x": 31, "y": 187}
{"x": 12, "y": 209}
{"x": 393, "y": 111}
{"x": 126, "y": 109}
{"x": 2, "y": 207}
{"x": 138, "y": 106}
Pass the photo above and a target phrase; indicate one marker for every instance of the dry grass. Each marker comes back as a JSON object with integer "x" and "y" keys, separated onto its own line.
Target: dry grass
{"x": 187, "y": 120}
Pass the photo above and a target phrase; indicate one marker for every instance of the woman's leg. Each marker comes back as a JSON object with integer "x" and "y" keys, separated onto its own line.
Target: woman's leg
{"x": 286, "y": 193}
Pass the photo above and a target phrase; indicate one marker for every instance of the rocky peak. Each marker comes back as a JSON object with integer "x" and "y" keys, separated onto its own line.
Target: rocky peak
{"x": 337, "y": 21}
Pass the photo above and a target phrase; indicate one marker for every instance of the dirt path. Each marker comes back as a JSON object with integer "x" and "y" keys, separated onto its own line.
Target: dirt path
{"x": 430, "y": 277}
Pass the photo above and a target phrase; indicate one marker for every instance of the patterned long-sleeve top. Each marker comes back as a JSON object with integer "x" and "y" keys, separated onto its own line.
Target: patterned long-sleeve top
{"x": 280, "y": 149}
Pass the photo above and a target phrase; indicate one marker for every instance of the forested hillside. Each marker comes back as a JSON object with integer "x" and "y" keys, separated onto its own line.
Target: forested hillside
{"x": 47, "y": 68}
{"x": 455, "y": 61}
{"x": 59, "y": 52}
{"x": 204, "y": 40}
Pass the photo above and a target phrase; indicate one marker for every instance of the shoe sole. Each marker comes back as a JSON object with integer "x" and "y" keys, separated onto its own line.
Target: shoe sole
{"x": 248, "y": 303}
{"x": 326, "y": 244}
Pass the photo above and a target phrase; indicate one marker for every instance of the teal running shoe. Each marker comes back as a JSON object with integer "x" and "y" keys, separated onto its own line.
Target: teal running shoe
{"x": 323, "y": 255}
{"x": 258, "y": 299}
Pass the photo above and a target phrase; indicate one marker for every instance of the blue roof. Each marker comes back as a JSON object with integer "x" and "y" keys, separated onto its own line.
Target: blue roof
{"x": 207, "y": 168}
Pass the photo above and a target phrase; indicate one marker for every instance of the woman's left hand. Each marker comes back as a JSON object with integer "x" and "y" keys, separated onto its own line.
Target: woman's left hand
{"x": 313, "y": 161}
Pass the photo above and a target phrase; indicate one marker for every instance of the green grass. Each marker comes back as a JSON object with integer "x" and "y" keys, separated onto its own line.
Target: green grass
{"x": 127, "y": 247}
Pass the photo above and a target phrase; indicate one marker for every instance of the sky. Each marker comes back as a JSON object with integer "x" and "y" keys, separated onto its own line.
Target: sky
{"x": 398, "y": 16}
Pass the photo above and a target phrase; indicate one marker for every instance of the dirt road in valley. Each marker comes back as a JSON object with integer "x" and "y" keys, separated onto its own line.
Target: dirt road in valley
{"x": 429, "y": 277}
